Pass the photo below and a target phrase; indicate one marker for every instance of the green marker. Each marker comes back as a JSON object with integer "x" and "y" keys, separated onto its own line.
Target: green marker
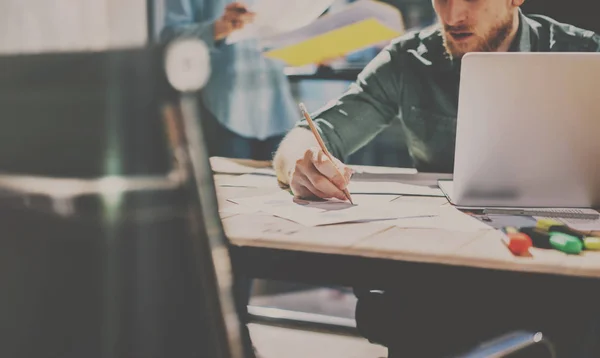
{"x": 565, "y": 243}
{"x": 591, "y": 243}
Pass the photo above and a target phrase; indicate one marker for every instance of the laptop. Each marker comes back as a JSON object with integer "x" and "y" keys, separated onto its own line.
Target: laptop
{"x": 528, "y": 131}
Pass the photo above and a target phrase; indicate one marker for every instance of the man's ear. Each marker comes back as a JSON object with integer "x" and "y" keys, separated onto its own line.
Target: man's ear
{"x": 517, "y": 3}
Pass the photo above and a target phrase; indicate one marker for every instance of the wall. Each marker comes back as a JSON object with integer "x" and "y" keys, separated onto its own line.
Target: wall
{"x": 28, "y": 26}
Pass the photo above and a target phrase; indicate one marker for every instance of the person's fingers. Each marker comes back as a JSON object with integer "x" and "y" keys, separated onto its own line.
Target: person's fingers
{"x": 317, "y": 179}
{"x": 335, "y": 172}
{"x": 240, "y": 10}
{"x": 321, "y": 186}
{"x": 222, "y": 29}
{"x": 298, "y": 187}
{"x": 241, "y": 13}
{"x": 305, "y": 177}
{"x": 238, "y": 21}
{"x": 348, "y": 174}
{"x": 235, "y": 5}
{"x": 305, "y": 189}
{"x": 303, "y": 193}
{"x": 236, "y": 25}
{"x": 346, "y": 170}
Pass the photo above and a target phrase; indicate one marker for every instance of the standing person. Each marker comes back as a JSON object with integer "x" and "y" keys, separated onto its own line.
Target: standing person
{"x": 247, "y": 105}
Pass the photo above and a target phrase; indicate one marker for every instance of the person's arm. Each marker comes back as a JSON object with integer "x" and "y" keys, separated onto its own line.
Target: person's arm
{"x": 345, "y": 125}
{"x": 180, "y": 22}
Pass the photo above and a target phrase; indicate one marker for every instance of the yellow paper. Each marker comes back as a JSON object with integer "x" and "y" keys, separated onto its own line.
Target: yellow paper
{"x": 335, "y": 43}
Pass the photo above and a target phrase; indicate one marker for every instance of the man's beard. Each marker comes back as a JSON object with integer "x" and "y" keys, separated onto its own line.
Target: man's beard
{"x": 487, "y": 43}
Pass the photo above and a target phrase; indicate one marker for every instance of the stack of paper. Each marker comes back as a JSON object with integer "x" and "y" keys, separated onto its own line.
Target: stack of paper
{"x": 360, "y": 25}
{"x": 392, "y": 187}
{"x": 388, "y": 187}
{"x": 277, "y": 17}
{"x": 293, "y": 32}
{"x": 449, "y": 218}
{"x": 315, "y": 213}
{"x": 221, "y": 165}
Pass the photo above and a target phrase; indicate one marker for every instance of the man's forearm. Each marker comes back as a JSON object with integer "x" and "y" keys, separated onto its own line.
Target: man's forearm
{"x": 292, "y": 148}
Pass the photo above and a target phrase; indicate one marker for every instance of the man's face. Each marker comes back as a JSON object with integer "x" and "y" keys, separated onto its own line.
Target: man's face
{"x": 474, "y": 25}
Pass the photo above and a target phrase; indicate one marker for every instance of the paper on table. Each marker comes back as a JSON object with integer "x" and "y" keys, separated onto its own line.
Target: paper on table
{"x": 265, "y": 171}
{"x": 251, "y": 181}
{"x": 315, "y": 213}
{"x": 222, "y": 165}
{"x": 389, "y": 187}
{"x": 405, "y": 209}
{"x": 274, "y": 17}
{"x": 448, "y": 218}
{"x": 355, "y": 186}
{"x": 452, "y": 218}
{"x": 369, "y": 169}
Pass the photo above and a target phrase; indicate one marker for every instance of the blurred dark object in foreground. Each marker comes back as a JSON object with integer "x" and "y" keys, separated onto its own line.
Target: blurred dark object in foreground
{"x": 111, "y": 244}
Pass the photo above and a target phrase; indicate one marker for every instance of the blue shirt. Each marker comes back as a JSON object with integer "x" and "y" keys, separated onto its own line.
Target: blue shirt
{"x": 247, "y": 92}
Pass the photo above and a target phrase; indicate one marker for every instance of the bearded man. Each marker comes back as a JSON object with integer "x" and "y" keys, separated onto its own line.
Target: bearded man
{"x": 415, "y": 80}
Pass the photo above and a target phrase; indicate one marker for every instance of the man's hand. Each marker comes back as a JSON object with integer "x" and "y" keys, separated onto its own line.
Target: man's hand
{"x": 236, "y": 16}
{"x": 314, "y": 175}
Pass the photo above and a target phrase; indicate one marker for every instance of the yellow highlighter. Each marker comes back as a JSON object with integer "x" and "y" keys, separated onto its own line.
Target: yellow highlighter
{"x": 545, "y": 224}
{"x": 591, "y": 243}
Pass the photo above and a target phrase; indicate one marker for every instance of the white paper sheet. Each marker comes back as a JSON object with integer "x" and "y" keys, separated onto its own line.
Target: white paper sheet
{"x": 448, "y": 218}
{"x": 274, "y": 17}
{"x": 315, "y": 213}
{"x": 385, "y": 14}
{"x": 355, "y": 186}
{"x": 251, "y": 181}
{"x": 369, "y": 169}
{"x": 390, "y": 187}
{"x": 221, "y": 165}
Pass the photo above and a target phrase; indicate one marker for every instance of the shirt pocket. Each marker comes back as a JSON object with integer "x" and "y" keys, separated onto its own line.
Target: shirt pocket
{"x": 431, "y": 138}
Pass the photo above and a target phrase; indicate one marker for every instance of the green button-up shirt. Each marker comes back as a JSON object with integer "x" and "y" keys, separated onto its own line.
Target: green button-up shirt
{"x": 415, "y": 82}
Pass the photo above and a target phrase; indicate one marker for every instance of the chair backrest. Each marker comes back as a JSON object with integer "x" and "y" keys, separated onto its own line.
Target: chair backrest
{"x": 111, "y": 245}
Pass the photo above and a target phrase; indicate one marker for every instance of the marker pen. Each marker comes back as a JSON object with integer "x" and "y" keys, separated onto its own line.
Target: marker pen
{"x": 566, "y": 243}
{"x": 591, "y": 243}
{"x": 539, "y": 237}
{"x": 517, "y": 242}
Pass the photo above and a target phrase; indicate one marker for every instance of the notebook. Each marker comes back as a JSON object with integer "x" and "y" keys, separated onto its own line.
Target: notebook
{"x": 359, "y": 25}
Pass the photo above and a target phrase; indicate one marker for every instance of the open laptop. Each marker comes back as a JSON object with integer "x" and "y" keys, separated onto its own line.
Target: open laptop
{"x": 528, "y": 131}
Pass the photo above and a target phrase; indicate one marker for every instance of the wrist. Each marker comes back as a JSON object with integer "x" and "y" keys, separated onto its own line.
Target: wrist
{"x": 219, "y": 30}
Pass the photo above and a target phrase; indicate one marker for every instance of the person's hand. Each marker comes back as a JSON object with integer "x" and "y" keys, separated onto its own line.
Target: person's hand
{"x": 314, "y": 175}
{"x": 236, "y": 16}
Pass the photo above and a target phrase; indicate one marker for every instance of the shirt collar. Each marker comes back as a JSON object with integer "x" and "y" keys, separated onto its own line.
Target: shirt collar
{"x": 522, "y": 41}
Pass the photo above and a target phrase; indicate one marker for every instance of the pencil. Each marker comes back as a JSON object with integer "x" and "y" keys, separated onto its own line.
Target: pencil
{"x": 322, "y": 145}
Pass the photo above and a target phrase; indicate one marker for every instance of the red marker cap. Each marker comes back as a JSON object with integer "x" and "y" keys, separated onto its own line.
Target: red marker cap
{"x": 519, "y": 243}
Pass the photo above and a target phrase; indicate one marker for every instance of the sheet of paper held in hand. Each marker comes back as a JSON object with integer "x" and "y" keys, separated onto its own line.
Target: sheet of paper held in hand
{"x": 274, "y": 17}
{"x": 325, "y": 212}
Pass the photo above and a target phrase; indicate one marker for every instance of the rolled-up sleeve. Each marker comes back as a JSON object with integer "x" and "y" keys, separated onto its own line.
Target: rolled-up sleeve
{"x": 365, "y": 109}
{"x": 180, "y": 22}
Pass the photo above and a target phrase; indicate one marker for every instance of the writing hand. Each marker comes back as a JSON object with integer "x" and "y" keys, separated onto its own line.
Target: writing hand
{"x": 314, "y": 175}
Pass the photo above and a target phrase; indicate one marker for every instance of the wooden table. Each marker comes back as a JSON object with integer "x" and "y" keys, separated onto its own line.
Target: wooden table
{"x": 365, "y": 254}
{"x": 377, "y": 255}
